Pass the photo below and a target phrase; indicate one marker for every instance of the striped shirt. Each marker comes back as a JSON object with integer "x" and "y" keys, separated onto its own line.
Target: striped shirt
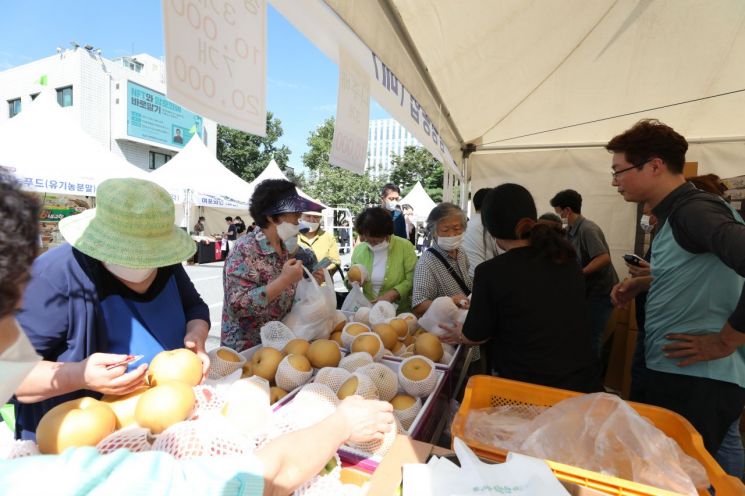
{"x": 432, "y": 279}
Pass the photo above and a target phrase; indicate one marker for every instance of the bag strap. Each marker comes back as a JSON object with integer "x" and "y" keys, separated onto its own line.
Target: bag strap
{"x": 450, "y": 269}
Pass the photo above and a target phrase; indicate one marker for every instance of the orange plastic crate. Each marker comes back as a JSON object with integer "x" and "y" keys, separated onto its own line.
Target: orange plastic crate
{"x": 484, "y": 391}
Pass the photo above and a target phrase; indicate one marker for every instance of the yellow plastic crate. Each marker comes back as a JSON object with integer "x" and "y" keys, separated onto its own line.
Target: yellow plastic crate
{"x": 484, "y": 391}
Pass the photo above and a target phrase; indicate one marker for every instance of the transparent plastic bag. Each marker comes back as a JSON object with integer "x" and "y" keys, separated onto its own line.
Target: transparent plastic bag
{"x": 602, "y": 433}
{"x": 312, "y": 313}
{"x": 442, "y": 311}
{"x": 355, "y": 300}
{"x": 382, "y": 312}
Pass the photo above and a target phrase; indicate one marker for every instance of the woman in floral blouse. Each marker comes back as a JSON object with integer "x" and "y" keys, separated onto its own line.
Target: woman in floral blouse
{"x": 260, "y": 275}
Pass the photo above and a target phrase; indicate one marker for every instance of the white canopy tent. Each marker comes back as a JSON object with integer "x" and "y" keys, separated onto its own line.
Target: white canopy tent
{"x": 272, "y": 171}
{"x": 529, "y": 92}
{"x": 49, "y": 152}
{"x": 419, "y": 201}
{"x": 195, "y": 178}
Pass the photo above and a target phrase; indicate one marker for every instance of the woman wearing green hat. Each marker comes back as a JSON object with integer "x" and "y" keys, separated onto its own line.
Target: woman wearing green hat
{"x": 117, "y": 288}
{"x": 260, "y": 274}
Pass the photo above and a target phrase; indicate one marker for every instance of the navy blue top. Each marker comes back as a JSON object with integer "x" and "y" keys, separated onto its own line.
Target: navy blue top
{"x": 73, "y": 307}
{"x": 399, "y": 224}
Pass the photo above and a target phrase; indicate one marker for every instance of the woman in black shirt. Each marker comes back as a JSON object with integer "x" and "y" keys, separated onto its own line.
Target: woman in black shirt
{"x": 530, "y": 302}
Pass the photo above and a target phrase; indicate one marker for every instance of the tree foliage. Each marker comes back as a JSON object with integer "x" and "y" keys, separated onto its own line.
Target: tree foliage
{"x": 332, "y": 185}
{"x": 247, "y": 155}
{"x": 417, "y": 164}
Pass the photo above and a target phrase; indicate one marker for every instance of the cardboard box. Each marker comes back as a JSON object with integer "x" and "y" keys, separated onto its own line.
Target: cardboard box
{"x": 388, "y": 476}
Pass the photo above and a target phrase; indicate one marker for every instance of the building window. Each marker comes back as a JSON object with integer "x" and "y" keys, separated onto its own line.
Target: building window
{"x": 158, "y": 159}
{"x": 14, "y": 107}
{"x": 64, "y": 96}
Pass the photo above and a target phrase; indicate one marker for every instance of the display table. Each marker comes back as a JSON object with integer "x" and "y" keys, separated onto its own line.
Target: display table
{"x": 208, "y": 250}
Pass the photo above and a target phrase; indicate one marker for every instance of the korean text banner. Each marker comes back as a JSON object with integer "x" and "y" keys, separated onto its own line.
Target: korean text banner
{"x": 216, "y": 60}
{"x": 349, "y": 147}
{"x": 153, "y": 117}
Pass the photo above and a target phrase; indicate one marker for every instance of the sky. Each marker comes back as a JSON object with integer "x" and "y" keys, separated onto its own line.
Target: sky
{"x": 301, "y": 81}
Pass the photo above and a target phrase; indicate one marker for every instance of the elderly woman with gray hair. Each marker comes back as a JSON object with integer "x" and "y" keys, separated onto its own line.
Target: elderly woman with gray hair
{"x": 442, "y": 270}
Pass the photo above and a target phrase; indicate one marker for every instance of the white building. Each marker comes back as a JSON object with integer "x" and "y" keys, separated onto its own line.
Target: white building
{"x": 386, "y": 136}
{"x": 120, "y": 102}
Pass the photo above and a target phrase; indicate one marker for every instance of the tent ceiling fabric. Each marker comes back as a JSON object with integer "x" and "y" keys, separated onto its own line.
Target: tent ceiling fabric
{"x": 511, "y": 68}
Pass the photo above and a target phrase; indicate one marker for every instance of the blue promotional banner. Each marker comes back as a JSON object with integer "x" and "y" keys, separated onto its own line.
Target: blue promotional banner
{"x": 153, "y": 117}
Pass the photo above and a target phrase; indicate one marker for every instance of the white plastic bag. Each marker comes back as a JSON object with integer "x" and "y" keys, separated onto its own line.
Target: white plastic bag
{"x": 442, "y": 311}
{"x": 382, "y": 312}
{"x": 311, "y": 316}
{"x": 355, "y": 300}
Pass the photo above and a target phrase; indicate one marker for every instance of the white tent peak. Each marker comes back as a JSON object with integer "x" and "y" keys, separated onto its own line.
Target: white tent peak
{"x": 47, "y": 149}
{"x": 272, "y": 171}
{"x": 419, "y": 201}
{"x": 195, "y": 168}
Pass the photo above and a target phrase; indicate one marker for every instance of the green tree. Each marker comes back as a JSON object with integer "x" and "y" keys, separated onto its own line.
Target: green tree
{"x": 332, "y": 185}
{"x": 247, "y": 155}
{"x": 417, "y": 164}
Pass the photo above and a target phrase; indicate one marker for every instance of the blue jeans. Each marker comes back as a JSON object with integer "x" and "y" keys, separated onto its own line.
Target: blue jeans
{"x": 600, "y": 309}
{"x": 731, "y": 454}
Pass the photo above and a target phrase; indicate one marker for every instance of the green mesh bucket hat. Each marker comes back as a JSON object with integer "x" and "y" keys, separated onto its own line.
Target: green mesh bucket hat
{"x": 132, "y": 225}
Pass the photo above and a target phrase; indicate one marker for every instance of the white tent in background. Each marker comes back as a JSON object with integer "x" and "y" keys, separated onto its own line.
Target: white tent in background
{"x": 420, "y": 202}
{"x": 272, "y": 171}
{"x": 49, "y": 152}
{"x": 196, "y": 173}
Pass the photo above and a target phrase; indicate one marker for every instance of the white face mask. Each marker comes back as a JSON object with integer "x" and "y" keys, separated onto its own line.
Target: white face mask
{"x": 380, "y": 247}
{"x": 391, "y": 204}
{"x": 449, "y": 243}
{"x": 645, "y": 225}
{"x": 129, "y": 274}
{"x": 285, "y": 230}
{"x": 15, "y": 364}
{"x": 312, "y": 226}
{"x": 291, "y": 244}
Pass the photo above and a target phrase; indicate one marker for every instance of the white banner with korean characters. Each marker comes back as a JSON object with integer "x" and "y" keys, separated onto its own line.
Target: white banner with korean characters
{"x": 349, "y": 146}
{"x": 216, "y": 60}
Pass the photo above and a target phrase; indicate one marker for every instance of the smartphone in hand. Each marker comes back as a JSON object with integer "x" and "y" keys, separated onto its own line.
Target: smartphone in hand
{"x": 325, "y": 262}
{"x": 633, "y": 259}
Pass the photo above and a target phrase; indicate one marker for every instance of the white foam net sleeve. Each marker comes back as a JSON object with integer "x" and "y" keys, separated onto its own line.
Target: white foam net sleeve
{"x": 223, "y": 382}
{"x": 339, "y": 317}
{"x": 353, "y": 361}
{"x": 365, "y": 386}
{"x": 418, "y": 388}
{"x": 313, "y": 403}
{"x": 209, "y": 436}
{"x": 410, "y": 319}
{"x": 378, "y": 447}
{"x": 333, "y": 377}
{"x": 322, "y": 485}
{"x": 134, "y": 438}
{"x": 362, "y": 315}
{"x": 382, "y": 312}
{"x": 406, "y": 417}
{"x": 208, "y": 401}
{"x": 288, "y": 378}
{"x": 220, "y": 368}
{"x": 346, "y": 338}
{"x": 20, "y": 449}
{"x": 276, "y": 335}
{"x": 446, "y": 357}
{"x": 385, "y": 379}
{"x": 381, "y": 348}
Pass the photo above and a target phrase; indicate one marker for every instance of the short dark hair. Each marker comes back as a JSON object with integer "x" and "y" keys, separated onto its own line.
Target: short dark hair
{"x": 568, "y": 198}
{"x": 478, "y": 198}
{"x": 229, "y": 218}
{"x": 19, "y": 236}
{"x": 375, "y": 221}
{"x": 265, "y": 196}
{"x": 389, "y": 187}
{"x": 238, "y": 217}
{"x": 648, "y": 139}
{"x": 201, "y": 217}
{"x": 552, "y": 217}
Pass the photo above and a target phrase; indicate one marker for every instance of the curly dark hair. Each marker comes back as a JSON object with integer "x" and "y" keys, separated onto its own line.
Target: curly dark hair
{"x": 19, "y": 234}
{"x": 265, "y": 196}
{"x": 648, "y": 139}
{"x": 568, "y": 198}
{"x": 375, "y": 221}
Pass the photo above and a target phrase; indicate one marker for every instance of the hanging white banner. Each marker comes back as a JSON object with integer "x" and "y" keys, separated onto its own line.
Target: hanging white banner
{"x": 349, "y": 147}
{"x": 216, "y": 60}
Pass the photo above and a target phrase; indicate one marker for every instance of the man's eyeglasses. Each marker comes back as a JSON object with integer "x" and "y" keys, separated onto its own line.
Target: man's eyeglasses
{"x": 617, "y": 173}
